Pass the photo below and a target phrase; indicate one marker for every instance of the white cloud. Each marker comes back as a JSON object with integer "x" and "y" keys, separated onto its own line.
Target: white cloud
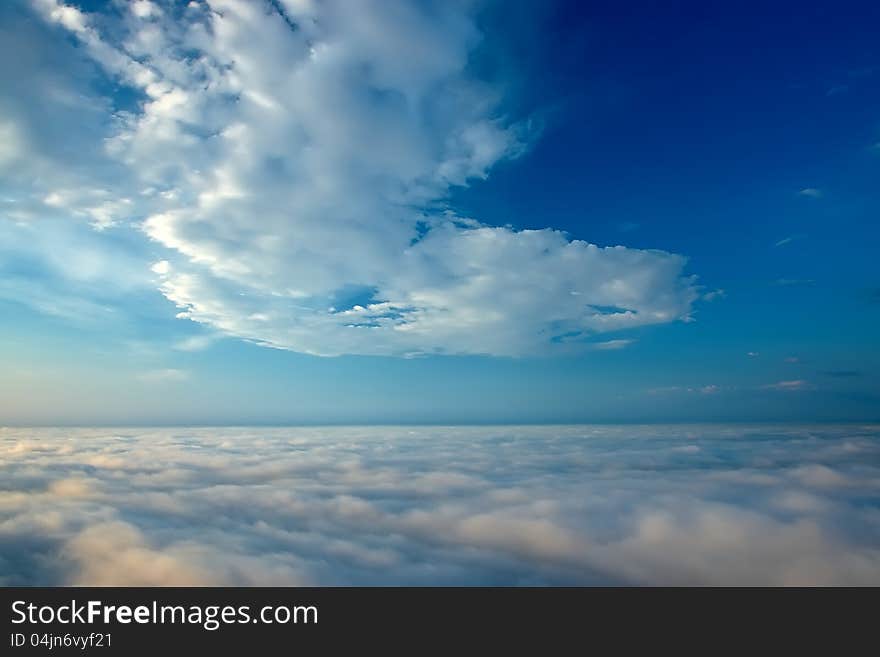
{"x": 67, "y": 15}
{"x": 612, "y": 345}
{"x": 145, "y": 9}
{"x": 164, "y": 375}
{"x": 818, "y": 476}
{"x": 10, "y": 143}
{"x": 196, "y": 342}
{"x": 161, "y": 267}
{"x": 663, "y": 390}
{"x": 81, "y": 274}
{"x": 427, "y": 505}
{"x": 298, "y": 182}
{"x": 707, "y": 389}
{"x": 811, "y": 192}
{"x": 794, "y": 385}
{"x": 789, "y": 239}
{"x": 118, "y": 554}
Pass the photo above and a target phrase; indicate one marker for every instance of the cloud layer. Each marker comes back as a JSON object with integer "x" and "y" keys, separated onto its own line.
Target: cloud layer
{"x": 292, "y": 161}
{"x": 487, "y": 505}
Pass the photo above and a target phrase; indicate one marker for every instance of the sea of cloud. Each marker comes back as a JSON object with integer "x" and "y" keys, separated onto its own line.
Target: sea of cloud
{"x": 556, "y": 505}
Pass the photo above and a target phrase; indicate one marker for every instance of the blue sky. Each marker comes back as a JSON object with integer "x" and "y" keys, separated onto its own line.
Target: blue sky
{"x": 351, "y": 235}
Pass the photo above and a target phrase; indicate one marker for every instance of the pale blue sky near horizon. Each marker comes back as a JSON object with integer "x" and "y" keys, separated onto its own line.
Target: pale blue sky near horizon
{"x": 383, "y": 215}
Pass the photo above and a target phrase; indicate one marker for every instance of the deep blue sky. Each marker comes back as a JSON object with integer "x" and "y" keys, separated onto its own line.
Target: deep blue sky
{"x": 743, "y": 137}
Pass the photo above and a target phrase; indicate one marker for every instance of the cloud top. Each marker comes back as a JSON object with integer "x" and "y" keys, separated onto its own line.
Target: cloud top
{"x": 466, "y": 505}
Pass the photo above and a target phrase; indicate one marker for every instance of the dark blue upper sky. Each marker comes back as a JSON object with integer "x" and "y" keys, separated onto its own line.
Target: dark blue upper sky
{"x": 742, "y": 136}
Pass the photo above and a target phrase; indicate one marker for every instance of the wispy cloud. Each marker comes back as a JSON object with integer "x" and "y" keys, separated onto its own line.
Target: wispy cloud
{"x": 611, "y": 345}
{"x": 196, "y": 342}
{"x": 811, "y": 192}
{"x": 788, "y": 386}
{"x": 789, "y": 239}
{"x": 164, "y": 375}
{"x": 663, "y": 390}
{"x": 707, "y": 389}
{"x": 714, "y": 294}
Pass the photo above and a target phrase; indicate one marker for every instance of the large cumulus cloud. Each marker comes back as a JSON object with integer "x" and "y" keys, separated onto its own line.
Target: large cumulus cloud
{"x": 479, "y": 505}
{"x": 293, "y": 160}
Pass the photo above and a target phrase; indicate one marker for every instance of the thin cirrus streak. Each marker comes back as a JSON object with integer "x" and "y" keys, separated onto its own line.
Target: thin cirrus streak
{"x": 441, "y": 505}
{"x": 296, "y": 186}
